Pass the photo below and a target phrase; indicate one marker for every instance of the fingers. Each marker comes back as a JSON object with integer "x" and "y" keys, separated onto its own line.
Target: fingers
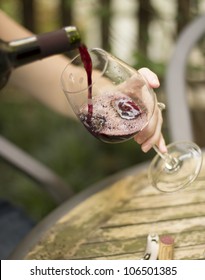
{"x": 151, "y": 135}
{"x": 150, "y": 76}
{"x": 162, "y": 145}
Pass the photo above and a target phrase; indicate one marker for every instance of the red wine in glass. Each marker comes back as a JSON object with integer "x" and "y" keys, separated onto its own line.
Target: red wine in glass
{"x": 116, "y": 121}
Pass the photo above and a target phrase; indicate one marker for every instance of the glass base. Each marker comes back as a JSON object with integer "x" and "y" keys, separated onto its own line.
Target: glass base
{"x": 188, "y": 160}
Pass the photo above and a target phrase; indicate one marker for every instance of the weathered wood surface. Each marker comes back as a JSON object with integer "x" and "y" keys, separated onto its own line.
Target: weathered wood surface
{"x": 114, "y": 223}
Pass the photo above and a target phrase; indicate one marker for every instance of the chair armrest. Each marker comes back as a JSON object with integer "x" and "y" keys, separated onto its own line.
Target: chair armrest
{"x": 52, "y": 183}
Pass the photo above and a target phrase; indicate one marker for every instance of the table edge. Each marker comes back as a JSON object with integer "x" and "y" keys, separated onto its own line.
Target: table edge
{"x": 38, "y": 231}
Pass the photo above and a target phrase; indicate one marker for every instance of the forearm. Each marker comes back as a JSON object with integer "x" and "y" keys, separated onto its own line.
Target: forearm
{"x": 42, "y": 81}
{"x": 11, "y": 30}
{"x": 39, "y": 79}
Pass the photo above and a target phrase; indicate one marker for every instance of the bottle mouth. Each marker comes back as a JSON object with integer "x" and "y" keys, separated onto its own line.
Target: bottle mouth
{"x": 74, "y": 34}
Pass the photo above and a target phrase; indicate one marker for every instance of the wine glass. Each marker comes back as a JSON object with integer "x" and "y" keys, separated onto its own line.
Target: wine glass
{"x": 115, "y": 103}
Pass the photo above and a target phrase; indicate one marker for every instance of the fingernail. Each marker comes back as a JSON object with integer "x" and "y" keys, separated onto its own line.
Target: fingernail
{"x": 163, "y": 147}
{"x": 146, "y": 148}
{"x": 155, "y": 82}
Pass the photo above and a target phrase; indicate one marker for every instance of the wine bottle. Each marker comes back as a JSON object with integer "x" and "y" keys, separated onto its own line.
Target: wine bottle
{"x": 17, "y": 53}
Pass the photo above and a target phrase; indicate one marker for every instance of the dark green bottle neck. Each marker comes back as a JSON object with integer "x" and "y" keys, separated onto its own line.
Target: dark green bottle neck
{"x": 20, "y": 52}
{"x": 23, "y": 51}
{"x": 27, "y": 50}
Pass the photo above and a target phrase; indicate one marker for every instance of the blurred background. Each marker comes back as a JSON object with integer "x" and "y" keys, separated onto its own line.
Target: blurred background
{"x": 142, "y": 33}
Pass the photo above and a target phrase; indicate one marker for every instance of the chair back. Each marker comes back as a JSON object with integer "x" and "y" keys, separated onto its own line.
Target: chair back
{"x": 179, "y": 115}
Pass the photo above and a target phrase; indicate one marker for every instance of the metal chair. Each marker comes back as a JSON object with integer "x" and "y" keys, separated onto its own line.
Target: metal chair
{"x": 179, "y": 115}
{"x": 46, "y": 178}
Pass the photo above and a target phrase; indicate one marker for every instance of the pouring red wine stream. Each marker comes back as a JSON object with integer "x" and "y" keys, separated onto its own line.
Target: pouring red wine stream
{"x": 87, "y": 62}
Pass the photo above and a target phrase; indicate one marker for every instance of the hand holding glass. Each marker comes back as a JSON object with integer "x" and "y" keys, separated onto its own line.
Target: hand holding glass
{"x": 120, "y": 103}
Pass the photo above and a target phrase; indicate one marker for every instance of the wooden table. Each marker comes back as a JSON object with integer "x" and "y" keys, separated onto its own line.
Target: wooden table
{"x": 113, "y": 219}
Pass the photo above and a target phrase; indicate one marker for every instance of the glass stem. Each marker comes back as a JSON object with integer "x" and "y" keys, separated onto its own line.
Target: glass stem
{"x": 171, "y": 163}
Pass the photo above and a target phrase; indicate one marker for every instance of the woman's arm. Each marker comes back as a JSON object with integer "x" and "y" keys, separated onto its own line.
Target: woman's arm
{"x": 40, "y": 79}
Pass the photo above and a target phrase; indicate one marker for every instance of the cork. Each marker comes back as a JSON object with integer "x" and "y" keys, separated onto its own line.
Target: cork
{"x": 166, "y": 248}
